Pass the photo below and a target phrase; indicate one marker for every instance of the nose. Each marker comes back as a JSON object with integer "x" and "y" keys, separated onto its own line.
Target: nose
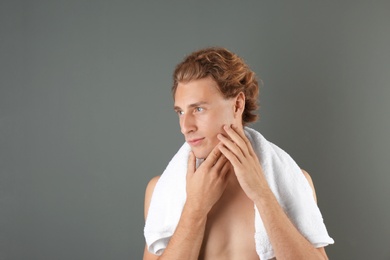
{"x": 187, "y": 123}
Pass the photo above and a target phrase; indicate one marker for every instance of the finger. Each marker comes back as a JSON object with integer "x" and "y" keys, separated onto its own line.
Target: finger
{"x": 241, "y": 133}
{"x": 191, "y": 163}
{"x": 231, "y": 145}
{"x": 233, "y": 159}
{"x": 212, "y": 157}
{"x": 238, "y": 136}
{"x": 220, "y": 162}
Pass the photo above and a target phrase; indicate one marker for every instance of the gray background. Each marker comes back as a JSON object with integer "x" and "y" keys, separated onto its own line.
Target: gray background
{"x": 86, "y": 113}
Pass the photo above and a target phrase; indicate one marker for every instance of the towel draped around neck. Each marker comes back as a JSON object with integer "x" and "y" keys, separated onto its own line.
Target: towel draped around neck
{"x": 284, "y": 178}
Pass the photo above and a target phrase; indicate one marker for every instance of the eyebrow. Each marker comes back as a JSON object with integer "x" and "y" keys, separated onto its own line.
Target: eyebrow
{"x": 197, "y": 104}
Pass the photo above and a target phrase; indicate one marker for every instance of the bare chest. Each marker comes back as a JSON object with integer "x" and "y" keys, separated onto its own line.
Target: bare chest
{"x": 230, "y": 229}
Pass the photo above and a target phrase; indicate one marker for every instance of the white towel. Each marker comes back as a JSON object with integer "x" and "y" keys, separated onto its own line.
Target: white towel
{"x": 284, "y": 177}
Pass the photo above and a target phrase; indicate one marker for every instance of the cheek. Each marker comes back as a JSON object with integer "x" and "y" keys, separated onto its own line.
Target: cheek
{"x": 214, "y": 122}
{"x": 218, "y": 123}
{"x": 226, "y": 119}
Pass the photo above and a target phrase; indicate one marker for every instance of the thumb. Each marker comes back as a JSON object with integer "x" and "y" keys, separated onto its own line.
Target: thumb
{"x": 191, "y": 167}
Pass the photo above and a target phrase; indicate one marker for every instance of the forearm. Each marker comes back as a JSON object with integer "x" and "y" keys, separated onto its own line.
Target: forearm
{"x": 187, "y": 239}
{"x": 286, "y": 240}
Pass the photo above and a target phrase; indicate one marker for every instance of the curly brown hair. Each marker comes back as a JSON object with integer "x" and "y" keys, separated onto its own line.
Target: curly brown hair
{"x": 230, "y": 72}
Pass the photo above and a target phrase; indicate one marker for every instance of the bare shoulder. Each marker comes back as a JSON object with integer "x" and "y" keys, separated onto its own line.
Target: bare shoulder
{"x": 152, "y": 184}
{"x": 148, "y": 196}
{"x": 149, "y": 192}
{"x": 310, "y": 181}
{"x": 308, "y": 177}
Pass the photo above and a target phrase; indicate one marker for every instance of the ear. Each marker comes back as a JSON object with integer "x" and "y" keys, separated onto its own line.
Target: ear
{"x": 239, "y": 105}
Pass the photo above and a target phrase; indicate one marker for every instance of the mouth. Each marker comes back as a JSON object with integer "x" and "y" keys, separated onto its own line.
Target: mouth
{"x": 195, "y": 142}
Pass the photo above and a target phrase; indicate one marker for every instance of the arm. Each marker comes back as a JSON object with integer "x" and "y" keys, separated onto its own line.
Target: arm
{"x": 188, "y": 234}
{"x": 288, "y": 243}
{"x": 148, "y": 196}
{"x": 286, "y": 240}
{"x": 204, "y": 187}
{"x": 310, "y": 181}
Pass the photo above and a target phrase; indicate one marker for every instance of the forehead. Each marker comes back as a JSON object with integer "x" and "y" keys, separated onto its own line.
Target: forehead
{"x": 199, "y": 90}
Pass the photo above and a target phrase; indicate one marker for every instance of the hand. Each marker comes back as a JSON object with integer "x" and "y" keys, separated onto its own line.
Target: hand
{"x": 206, "y": 184}
{"x": 239, "y": 151}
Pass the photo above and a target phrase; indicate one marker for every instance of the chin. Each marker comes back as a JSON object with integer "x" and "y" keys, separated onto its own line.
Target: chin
{"x": 201, "y": 154}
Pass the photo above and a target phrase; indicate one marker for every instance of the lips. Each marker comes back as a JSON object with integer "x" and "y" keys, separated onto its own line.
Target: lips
{"x": 195, "y": 141}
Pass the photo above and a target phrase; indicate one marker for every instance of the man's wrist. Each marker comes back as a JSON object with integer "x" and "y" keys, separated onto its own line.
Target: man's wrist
{"x": 194, "y": 213}
{"x": 264, "y": 196}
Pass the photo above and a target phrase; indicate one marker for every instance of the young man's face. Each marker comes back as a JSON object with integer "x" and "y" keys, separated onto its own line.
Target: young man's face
{"x": 202, "y": 113}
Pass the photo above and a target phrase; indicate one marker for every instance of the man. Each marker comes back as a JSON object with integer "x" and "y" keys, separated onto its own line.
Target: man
{"x": 215, "y": 97}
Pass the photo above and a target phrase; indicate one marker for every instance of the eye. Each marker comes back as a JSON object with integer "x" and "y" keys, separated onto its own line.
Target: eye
{"x": 179, "y": 112}
{"x": 199, "y": 109}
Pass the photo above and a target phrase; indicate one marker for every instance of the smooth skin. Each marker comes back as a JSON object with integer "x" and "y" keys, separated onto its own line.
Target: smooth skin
{"x": 217, "y": 220}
